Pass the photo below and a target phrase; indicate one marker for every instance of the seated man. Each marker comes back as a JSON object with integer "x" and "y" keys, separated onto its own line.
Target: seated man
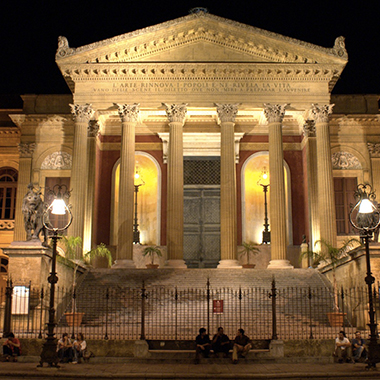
{"x": 342, "y": 347}
{"x": 203, "y": 345}
{"x": 358, "y": 347}
{"x": 242, "y": 344}
{"x": 11, "y": 348}
{"x": 221, "y": 343}
{"x": 65, "y": 349}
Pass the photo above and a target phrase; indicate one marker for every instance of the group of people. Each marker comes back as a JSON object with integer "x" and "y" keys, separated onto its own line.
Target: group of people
{"x": 221, "y": 345}
{"x": 71, "y": 351}
{"x": 350, "y": 351}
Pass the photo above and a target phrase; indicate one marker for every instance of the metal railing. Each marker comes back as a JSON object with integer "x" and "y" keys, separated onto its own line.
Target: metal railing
{"x": 162, "y": 313}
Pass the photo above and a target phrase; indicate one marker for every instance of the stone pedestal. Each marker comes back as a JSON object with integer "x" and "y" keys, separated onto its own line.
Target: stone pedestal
{"x": 228, "y": 264}
{"x": 123, "y": 264}
{"x": 276, "y": 348}
{"x": 178, "y": 264}
{"x": 280, "y": 264}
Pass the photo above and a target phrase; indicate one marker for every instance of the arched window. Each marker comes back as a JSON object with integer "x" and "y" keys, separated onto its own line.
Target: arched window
{"x": 8, "y": 189}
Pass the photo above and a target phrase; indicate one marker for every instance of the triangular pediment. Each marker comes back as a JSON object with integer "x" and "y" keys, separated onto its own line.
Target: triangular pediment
{"x": 201, "y": 37}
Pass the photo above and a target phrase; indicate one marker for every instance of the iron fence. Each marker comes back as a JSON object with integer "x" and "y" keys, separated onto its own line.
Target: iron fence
{"x": 161, "y": 313}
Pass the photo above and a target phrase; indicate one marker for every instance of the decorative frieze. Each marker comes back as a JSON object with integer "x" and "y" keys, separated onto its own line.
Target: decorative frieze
{"x": 7, "y": 224}
{"x": 128, "y": 112}
{"x": 82, "y": 113}
{"x": 176, "y": 113}
{"x": 57, "y": 161}
{"x": 274, "y": 112}
{"x": 26, "y": 149}
{"x": 345, "y": 161}
{"x": 322, "y": 112}
{"x": 309, "y": 128}
{"x": 227, "y": 112}
{"x": 374, "y": 149}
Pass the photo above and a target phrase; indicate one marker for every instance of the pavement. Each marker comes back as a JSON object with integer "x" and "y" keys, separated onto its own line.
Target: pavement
{"x": 205, "y": 370}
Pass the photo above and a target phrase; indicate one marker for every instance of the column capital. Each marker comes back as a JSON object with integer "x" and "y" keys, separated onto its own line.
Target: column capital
{"x": 321, "y": 112}
{"x": 274, "y": 112}
{"x": 128, "y": 112}
{"x": 374, "y": 149}
{"x": 82, "y": 112}
{"x": 93, "y": 128}
{"x": 227, "y": 112}
{"x": 309, "y": 128}
{"x": 26, "y": 150}
{"x": 176, "y": 113}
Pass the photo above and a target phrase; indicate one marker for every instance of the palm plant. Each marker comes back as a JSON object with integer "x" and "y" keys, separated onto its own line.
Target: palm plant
{"x": 151, "y": 252}
{"x": 249, "y": 248}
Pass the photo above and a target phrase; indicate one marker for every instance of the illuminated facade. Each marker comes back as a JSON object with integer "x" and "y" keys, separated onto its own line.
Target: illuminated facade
{"x": 200, "y": 106}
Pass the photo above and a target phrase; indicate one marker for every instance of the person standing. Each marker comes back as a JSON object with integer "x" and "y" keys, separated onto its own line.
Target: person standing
{"x": 221, "y": 343}
{"x": 242, "y": 345}
{"x": 203, "y": 345}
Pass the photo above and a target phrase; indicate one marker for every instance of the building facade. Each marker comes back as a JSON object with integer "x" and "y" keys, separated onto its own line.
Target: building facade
{"x": 200, "y": 107}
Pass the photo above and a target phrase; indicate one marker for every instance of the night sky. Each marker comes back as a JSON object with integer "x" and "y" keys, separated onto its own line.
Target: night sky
{"x": 29, "y": 32}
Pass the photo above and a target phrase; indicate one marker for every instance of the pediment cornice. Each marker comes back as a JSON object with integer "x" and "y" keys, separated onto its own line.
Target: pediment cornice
{"x": 260, "y": 44}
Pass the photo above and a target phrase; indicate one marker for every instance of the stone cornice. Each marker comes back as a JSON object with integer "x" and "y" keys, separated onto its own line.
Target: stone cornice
{"x": 19, "y": 120}
{"x": 209, "y": 28}
{"x": 6, "y": 131}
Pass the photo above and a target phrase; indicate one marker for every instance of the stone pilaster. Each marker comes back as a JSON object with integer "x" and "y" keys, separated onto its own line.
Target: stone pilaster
{"x": 129, "y": 116}
{"x": 374, "y": 153}
{"x": 92, "y": 132}
{"x": 326, "y": 197}
{"x": 228, "y": 211}
{"x": 312, "y": 180}
{"x": 24, "y": 178}
{"x": 82, "y": 115}
{"x": 277, "y": 207}
{"x": 176, "y": 114}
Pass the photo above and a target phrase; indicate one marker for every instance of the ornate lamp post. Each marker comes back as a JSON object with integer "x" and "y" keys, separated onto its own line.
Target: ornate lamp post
{"x": 57, "y": 207}
{"x": 264, "y": 182}
{"x": 138, "y": 182}
{"x": 365, "y": 217}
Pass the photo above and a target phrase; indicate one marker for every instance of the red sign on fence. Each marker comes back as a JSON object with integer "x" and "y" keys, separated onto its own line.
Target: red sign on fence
{"x": 217, "y": 306}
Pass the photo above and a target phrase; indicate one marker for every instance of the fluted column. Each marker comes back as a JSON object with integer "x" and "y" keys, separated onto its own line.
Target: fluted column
{"x": 78, "y": 183}
{"x": 312, "y": 181}
{"x": 176, "y": 114}
{"x": 277, "y": 207}
{"x": 129, "y": 116}
{"x": 326, "y": 197}
{"x": 92, "y": 132}
{"x": 228, "y": 217}
{"x": 24, "y": 177}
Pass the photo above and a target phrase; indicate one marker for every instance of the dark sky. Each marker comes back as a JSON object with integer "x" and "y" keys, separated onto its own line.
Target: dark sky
{"x": 29, "y": 31}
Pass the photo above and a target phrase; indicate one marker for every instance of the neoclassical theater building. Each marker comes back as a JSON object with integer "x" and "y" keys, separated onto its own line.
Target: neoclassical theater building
{"x": 201, "y": 107}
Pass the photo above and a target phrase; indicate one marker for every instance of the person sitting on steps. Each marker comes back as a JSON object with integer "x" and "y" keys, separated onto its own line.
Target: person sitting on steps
{"x": 11, "y": 348}
{"x": 242, "y": 344}
{"x": 203, "y": 345}
{"x": 221, "y": 343}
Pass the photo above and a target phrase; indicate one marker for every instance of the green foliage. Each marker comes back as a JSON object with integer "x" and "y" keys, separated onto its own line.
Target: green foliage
{"x": 151, "y": 252}
{"x": 73, "y": 247}
{"x": 249, "y": 248}
{"x": 100, "y": 251}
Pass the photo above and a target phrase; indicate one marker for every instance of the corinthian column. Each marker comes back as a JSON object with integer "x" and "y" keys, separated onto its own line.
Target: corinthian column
{"x": 92, "y": 132}
{"x": 326, "y": 201}
{"x": 82, "y": 115}
{"x": 24, "y": 177}
{"x": 176, "y": 114}
{"x": 129, "y": 115}
{"x": 275, "y": 114}
{"x": 228, "y": 218}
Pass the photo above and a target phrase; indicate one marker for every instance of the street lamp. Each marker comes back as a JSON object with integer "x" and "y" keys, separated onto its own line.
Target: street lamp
{"x": 52, "y": 218}
{"x": 365, "y": 217}
{"x": 138, "y": 182}
{"x": 264, "y": 182}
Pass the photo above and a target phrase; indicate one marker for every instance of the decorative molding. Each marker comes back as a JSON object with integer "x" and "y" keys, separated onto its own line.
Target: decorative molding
{"x": 128, "y": 112}
{"x": 322, "y": 112}
{"x": 26, "y": 149}
{"x": 7, "y": 224}
{"x": 93, "y": 128}
{"x": 345, "y": 161}
{"x": 227, "y": 112}
{"x": 309, "y": 128}
{"x": 176, "y": 113}
{"x": 274, "y": 112}
{"x": 374, "y": 149}
{"x": 82, "y": 113}
{"x": 57, "y": 161}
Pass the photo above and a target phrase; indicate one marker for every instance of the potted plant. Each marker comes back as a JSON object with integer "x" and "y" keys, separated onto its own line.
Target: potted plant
{"x": 247, "y": 250}
{"x": 151, "y": 252}
{"x": 331, "y": 255}
{"x": 73, "y": 252}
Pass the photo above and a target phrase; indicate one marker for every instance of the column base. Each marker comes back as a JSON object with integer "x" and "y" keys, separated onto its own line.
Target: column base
{"x": 177, "y": 264}
{"x": 228, "y": 264}
{"x": 124, "y": 263}
{"x": 280, "y": 264}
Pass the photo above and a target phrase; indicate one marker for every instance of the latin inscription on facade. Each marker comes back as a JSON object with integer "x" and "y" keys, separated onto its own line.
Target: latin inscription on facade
{"x": 201, "y": 87}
